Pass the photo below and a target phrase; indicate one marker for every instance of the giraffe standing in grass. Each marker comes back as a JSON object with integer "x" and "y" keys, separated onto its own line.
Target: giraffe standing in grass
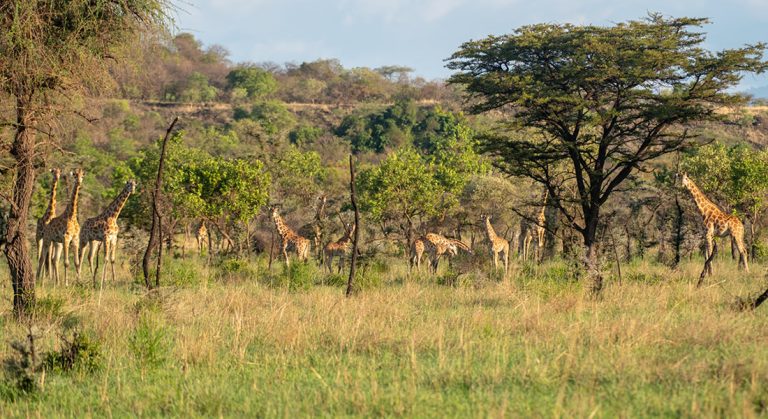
{"x": 498, "y": 244}
{"x": 437, "y": 246}
{"x": 541, "y": 227}
{"x": 201, "y": 235}
{"x": 338, "y": 248}
{"x": 50, "y": 212}
{"x": 290, "y": 238}
{"x": 417, "y": 252}
{"x": 102, "y": 230}
{"x": 717, "y": 222}
{"x": 62, "y": 232}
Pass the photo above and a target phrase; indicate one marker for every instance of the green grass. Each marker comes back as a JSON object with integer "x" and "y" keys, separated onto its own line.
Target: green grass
{"x": 239, "y": 339}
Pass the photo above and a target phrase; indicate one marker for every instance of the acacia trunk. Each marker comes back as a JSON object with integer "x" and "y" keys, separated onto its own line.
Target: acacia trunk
{"x": 16, "y": 249}
{"x": 591, "y": 258}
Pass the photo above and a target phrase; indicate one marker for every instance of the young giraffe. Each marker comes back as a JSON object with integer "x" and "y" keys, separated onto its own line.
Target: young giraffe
{"x": 50, "y": 212}
{"x": 289, "y": 237}
{"x": 201, "y": 235}
{"x": 498, "y": 244}
{"x": 717, "y": 222}
{"x": 62, "y": 232}
{"x": 417, "y": 251}
{"x": 338, "y": 248}
{"x": 437, "y": 245}
{"x": 541, "y": 226}
{"x": 102, "y": 230}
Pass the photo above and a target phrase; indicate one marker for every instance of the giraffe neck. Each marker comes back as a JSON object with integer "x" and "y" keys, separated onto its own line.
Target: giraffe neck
{"x": 50, "y": 212}
{"x": 701, "y": 200}
{"x": 71, "y": 211}
{"x": 348, "y": 237}
{"x": 113, "y": 210}
{"x": 489, "y": 228}
{"x": 280, "y": 225}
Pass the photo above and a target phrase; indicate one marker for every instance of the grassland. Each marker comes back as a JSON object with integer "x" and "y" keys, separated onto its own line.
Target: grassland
{"x": 236, "y": 339}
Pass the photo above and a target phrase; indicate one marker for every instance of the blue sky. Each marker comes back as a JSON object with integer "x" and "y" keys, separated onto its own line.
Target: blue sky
{"x": 421, "y": 33}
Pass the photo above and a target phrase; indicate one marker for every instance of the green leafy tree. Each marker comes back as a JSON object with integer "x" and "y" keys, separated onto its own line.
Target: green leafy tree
{"x": 257, "y": 83}
{"x": 600, "y": 102}
{"x": 198, "y": 89}
{"x": 403, "y": 187}
{"x": 301, "y": 175}
{"x": 51, "y": 51}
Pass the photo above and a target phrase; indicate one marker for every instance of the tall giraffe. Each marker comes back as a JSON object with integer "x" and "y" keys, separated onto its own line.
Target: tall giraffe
{"x": 289, "y": 237}
{"x": 338, "y": 248}
{"x": 717, "y": 222}
{"x": 63, "y": 231}
{"x": 50, "y": 212}
{"x": 102, "y": 230}
{"x": 437, "y": 246}
{"x": 498, "y": 244}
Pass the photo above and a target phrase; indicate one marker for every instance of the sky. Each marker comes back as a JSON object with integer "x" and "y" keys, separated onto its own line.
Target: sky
{"x": 421, "y": 34}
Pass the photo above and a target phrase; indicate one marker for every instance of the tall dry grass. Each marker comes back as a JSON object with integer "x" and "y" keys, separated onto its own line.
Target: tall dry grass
{"x": 530, "y": 345}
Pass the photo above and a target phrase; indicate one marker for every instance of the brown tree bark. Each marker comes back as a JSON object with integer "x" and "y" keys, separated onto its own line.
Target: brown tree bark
{"x": 155, "y": 232}
{"x": 353, "y": 198}
{"x": 16, "y": 249}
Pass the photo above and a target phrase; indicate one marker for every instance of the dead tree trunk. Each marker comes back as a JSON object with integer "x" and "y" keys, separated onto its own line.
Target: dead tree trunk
{"x": 353, "y": 198}
{"x": 156, "y": 231}
{"x": 678, "y": 230}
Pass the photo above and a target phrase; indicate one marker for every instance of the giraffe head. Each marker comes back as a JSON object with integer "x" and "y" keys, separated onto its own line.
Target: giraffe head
{"x": 684, "y": 179}
{"x": 56, "y": 172}
{"x": 131, "y": 186}
{"x": 77, "y": 175}
{"x": 274, "y": 210}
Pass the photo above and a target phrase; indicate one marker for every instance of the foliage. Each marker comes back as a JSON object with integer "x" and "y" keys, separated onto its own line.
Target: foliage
{"x": 80, "y": 351}
{"x": 271, "y": 115}
{"x": 403, "y": 185}
{"x": 736, "y": 176}
{"x": 598, "y": 102}
{"x": 198, "y": 89}
{"x": 301, "y": 175}
{"x": 256, "y": 82}
{"x": 150, "y": 342}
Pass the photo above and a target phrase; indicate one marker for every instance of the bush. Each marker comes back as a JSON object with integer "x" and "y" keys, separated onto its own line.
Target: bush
{"x": 150, "y": 342}
{"x": 48, "y": 306}
{"x": 80, "y": 352}
{"x": 297, "y": 276}
{"x": 233, "y": 269}
{"x": 182, "y": 273}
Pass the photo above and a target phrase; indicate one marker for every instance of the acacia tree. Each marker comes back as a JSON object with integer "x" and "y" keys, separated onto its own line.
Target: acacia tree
{"x": 51, "y": 50}
{"x": 601, "y": 102}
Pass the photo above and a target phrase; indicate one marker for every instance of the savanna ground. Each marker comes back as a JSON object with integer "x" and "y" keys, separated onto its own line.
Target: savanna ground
{"x": 238, "y": 339}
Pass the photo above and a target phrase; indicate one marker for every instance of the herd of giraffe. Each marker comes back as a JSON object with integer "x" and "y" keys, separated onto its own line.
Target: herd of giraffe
{"x": 58, "y": 234}
{"x": 55, "y": 235}
{"x": 436, "y": 246}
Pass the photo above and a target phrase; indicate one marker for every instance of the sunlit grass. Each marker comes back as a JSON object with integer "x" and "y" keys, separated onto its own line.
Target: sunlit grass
{"x": 241, "y": 342}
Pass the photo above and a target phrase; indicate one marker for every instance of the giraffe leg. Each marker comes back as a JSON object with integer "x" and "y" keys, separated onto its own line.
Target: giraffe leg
{"x": 738, "y": 238}
{"x": 94, "y": 260}
{"x": 710, "y": 237}
{"x": 495, "y": 261}
{"x": 41, "y": 260}
{"x": 107, "y": 250}
{"x": 76, "y": 251}
{"x": 285, "y": 254}
{"x": 341, "y": 261}
{"x": 55, "y": 263}
{"x": 112, "y": 257}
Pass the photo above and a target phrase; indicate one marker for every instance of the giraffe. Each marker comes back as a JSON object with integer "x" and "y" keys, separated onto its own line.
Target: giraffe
{"x": 102, "y": 230}
{"x": 289, "y": 237}
{"x": 338, "y": 248}
{"x": 717, "y": 222}
{"x": 201, "y": 235}
{"x": 417, "y": 251}
{"x": 526, "y": 238}
{"x": 63, "y": 231}
{"x": 50, "y": 212}
{"x": 498, "y": 244}
{"x": 541, "y": 226}
{"x": 437, "y": 245}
